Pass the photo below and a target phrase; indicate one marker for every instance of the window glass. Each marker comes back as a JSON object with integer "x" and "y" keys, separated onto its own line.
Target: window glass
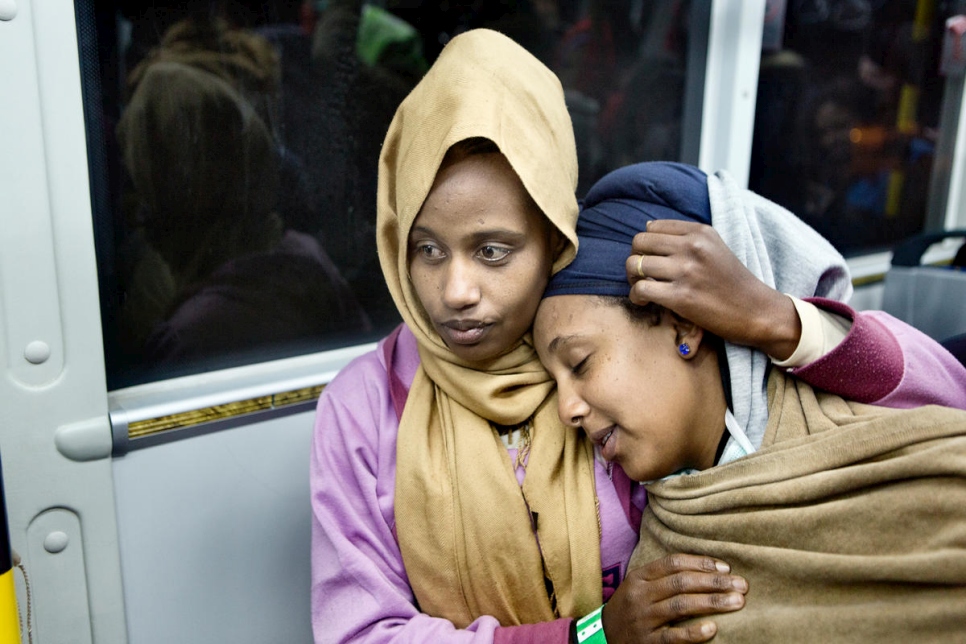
{"x": 848, "y": 116}
{"x": 233, "y": 148}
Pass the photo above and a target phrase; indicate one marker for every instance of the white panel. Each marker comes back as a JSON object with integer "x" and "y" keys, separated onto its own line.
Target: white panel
{"x": 867, "y": 298}
{"x": 27, "y": 279}
{"x": 956, "y": 202}
{"x": 61, "y": 613}
{"x": 731, "y": 86}
{"x": 49, "y": 302}
{"x": 215, "y": 536}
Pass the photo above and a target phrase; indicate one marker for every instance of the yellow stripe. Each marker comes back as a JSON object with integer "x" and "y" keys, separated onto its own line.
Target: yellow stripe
{"x": 868, "y": 279}
{"x": 150, "y": 426}
{"x": 925, "y": 9}
{"x": 878, "y": 277}
{"x": 897, "y": 180}
{"x": 908, "y": 109}
{"x": 9, "y": 622}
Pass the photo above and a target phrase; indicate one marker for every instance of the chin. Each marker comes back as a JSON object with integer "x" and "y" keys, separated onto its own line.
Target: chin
{"x": 476, "y": 354}
{"x": 642, "y": 474}
{"x": 635, "y": 474}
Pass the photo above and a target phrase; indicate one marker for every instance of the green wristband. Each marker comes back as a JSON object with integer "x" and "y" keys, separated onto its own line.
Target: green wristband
{"x": 590, "y": 628}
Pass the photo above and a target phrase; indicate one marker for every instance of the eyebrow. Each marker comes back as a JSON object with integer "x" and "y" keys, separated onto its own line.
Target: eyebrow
{"x": 421, "y": 229}
{"x": 556, "y": 343}
{"x": 480, "y": 236}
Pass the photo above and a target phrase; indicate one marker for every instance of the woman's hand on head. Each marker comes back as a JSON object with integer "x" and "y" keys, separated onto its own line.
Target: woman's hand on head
{"x": 653, "y": 598}
{"x": 687, "y": 268}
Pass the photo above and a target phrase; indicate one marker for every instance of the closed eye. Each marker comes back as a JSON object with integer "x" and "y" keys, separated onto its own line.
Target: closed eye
{"x": 579, "y": 368}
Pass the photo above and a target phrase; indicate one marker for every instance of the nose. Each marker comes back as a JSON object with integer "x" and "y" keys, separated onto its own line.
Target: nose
{"x": 461, "y": 289}
{"x": 571, "y": 408}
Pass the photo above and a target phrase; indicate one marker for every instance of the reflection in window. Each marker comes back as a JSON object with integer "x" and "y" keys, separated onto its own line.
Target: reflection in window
{"x": 234, "y": 145}
{"x": 847, "y": 120}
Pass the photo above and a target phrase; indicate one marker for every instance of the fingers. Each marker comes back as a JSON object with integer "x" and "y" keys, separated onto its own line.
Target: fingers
{"x": 689, "y": 634}
{"x": 698, "y": 593}
{"x": 674, "y": 226}
{"x": 645, "y": 291}
{"x": 653, "y": 599}
{"x": 659, "y": 245}
{"x": 669, "y": 612}
{"x": 670, "y": 246}
{"x": 680, "y": 562}
{"x": 620, "y": 630}
{"x": 679, "y": 607}
{"x": 661, "y": 233}
{"x": 652, "y": 267}
{"x": 679, "y": 586}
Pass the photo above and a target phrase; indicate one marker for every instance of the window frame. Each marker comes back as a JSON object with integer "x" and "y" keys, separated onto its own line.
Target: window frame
{"x": 728, "y": 98}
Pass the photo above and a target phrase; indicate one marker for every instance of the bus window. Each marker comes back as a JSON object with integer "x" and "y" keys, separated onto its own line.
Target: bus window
{"x": 233, "y": 152}
{"x": 847, "y": 126}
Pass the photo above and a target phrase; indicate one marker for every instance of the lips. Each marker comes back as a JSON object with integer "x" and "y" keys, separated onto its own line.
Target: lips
{"x": 464, "y": 332}
{"x": 605, "y": 438}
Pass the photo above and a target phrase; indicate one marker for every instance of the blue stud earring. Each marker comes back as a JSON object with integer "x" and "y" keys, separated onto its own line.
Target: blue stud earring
{"x": 684, "y": 349}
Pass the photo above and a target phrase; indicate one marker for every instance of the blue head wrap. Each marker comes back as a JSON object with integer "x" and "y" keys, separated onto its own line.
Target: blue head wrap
{"x": 618, "y": 207}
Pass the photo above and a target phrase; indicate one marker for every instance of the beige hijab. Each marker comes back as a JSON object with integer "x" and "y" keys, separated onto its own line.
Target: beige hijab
{"x": 465, "y": 527}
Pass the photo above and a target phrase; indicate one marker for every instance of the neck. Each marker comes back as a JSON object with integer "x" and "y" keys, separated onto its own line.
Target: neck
{"x": 713, "y": 411}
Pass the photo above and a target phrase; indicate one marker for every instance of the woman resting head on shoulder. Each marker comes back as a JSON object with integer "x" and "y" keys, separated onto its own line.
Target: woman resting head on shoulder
{"x": 670, "y": 414}
{"x": 821, "y": 503}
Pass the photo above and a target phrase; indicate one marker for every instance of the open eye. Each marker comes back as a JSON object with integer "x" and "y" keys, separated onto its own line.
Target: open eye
{"x": 427, "y": 252}
{"x": 494, "y": 254}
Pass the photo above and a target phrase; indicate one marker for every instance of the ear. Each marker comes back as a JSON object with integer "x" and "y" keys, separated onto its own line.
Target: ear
{"x": 558, "y": 240}
{"x": 687, "y": 336}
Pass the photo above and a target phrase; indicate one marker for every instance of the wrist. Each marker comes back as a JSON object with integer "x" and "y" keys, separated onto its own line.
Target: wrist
{"x": 781, "y": 328}
{"x": 589, "y": 629}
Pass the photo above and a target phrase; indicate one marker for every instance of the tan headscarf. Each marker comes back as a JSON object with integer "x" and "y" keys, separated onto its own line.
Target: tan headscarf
{"x": 464, "y": 528}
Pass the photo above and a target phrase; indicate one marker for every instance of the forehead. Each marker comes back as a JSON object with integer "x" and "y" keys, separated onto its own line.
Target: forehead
{"x": 565, "y": 318}
{"x": 483, "y": 189}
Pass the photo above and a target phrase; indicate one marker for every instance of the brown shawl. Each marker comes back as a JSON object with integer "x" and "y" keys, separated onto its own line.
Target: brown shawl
{"x": 849, "y": 523}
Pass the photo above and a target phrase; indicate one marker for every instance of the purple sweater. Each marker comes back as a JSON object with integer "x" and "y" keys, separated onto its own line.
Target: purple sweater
{"x": 360, "y": 591}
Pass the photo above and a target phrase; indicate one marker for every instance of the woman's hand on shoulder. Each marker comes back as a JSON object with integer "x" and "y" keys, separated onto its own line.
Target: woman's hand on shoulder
{"x": 652, "y": 599}
{"x": 687, "y": 268}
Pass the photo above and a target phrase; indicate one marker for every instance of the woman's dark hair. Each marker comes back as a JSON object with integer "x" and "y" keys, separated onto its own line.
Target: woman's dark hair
{"x": 649, "y": 314}
{"x": 468, "y": 147}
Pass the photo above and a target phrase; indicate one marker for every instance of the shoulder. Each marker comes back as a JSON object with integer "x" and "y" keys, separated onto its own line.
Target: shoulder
{"x": 360, "y": 395}
{"x": 371, "y": 370}
{"x": 356, "y": 424}
{"x": 364, "y": 381}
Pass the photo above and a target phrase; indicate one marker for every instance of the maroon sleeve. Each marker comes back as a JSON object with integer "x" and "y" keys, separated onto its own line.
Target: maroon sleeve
{"x": 865, "y": 367}
{"x": 555, "y": 632}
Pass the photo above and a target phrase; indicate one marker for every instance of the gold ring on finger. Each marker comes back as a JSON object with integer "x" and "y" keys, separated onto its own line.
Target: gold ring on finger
{"x": 640, "y": 267}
